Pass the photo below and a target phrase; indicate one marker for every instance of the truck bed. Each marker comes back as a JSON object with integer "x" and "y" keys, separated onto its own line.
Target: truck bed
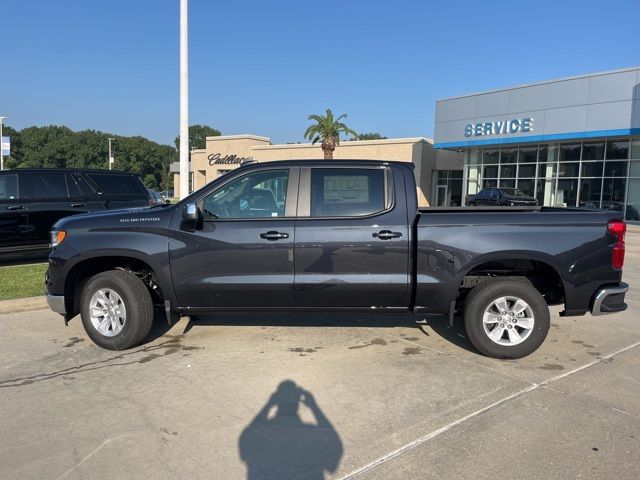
{"x": 574, "y": 242}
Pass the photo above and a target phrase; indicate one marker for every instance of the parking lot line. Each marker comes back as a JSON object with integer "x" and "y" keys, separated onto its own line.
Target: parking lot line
{"x": 425, "y": 438}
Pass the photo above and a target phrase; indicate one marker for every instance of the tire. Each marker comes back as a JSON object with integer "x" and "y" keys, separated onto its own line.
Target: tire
{"x": 512, "y": 339}
{"x": 130, "y": 316}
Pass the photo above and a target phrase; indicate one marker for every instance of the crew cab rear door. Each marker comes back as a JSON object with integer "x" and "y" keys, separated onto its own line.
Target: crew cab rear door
{"x": 352, "y": 238}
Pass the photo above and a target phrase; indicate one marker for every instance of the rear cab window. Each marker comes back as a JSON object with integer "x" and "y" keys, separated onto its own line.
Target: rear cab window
{"x": 348, "y": 192}
{"x": 118, "y": 184}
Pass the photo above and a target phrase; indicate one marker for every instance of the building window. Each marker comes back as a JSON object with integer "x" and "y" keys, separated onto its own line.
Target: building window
{"x": 590, "y": 174}
{"x": 590, "y": 191}
{"x": 509, "y": 155}
{"x": 593, "y": 151}
{"x": 617, "y": 149}
{"x": 570, "y": 152}
{"x": 615, "y": 169}
{"x": 567, "y": 194}
{"x": 448, "y": 191}
{"x": 633, "y": 200}
{"x": 490, "y": 156}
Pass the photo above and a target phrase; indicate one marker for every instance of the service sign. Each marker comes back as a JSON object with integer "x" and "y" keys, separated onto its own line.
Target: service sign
{"x": 500, "y": 127}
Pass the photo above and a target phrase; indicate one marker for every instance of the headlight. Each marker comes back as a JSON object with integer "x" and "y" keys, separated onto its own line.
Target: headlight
{"x": 57, "y": 237}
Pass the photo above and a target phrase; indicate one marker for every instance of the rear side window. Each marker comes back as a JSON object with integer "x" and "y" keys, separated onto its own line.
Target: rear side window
{"x": 114, "y": 184}
{"x": 8, "y": 187}
{"x": 49, "y": 185}
{"x": 347, "y": 192}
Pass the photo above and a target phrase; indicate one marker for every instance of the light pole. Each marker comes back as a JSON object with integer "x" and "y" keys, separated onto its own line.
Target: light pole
{"x": 184, "y": 100}
{"x": 110, "y": 155}
{"x": 1, "y": 151}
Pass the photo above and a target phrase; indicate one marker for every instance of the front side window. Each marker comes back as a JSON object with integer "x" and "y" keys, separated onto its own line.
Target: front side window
{"x": 254, "y": 195}
{"x": 347, "y": 192}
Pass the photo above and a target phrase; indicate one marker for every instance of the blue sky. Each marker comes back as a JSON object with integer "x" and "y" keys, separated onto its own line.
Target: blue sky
{"x": 261, "y": 67}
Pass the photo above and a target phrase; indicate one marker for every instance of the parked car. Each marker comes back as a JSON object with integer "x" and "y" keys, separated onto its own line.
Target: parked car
{"x": 157, "y": 197}
{"x": 335, "y": 236}
{"x": 167, "y": 194}
{"x": 501, "y": 197}
{"x": 32, "y": 200}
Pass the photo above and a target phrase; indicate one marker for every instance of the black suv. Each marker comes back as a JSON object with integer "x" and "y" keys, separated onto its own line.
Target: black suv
{"x": 501, "y": 197}
{"x": 33, "y": 199}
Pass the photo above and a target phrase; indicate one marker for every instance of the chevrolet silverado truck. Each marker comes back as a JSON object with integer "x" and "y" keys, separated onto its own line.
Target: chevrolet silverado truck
{"x": 335, "y": 236}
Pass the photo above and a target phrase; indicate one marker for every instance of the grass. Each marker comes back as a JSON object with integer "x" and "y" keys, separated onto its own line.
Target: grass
{"x": 22, "y": 281}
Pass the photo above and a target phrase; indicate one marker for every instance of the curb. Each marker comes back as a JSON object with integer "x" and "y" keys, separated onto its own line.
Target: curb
{"x": 23, "y": 304}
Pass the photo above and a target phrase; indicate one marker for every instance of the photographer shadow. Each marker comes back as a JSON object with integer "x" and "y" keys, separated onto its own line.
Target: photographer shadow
{"x": 279, "y": 444}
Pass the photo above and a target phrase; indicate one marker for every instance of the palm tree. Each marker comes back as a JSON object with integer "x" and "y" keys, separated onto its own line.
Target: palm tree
{"x": 327, "y": 129}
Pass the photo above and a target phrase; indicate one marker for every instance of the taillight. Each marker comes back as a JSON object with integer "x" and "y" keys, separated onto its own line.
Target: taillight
{"x": 617, "y": 228}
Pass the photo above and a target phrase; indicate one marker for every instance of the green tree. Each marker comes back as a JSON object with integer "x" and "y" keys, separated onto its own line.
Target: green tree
{"x": 369, "y": 136}
{"x": 327, "y": 129}
{"x": 198, "y": 136}
{"x": 59, "y": 146}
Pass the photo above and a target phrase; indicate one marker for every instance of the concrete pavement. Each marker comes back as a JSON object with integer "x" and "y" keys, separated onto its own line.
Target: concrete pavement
{"x": 295, "y": 396}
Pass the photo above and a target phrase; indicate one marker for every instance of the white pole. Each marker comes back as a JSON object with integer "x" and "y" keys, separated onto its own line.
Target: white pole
{"x": 110, "y": 155}
{"x": 1, "y": 151}
{"x": 184, "y": 100}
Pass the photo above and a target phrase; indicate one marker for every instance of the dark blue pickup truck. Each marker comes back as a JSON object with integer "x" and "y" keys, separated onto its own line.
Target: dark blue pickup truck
{"x": 343, "y": 236}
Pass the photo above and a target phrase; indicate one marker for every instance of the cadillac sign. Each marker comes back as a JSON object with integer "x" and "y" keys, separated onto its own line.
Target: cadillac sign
{"x": 218, "y": 159}
{"x": 517, "y": 125}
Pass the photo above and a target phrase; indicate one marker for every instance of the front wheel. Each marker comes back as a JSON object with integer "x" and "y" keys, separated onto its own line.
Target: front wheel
{"x": 116, "y": 310}
{"x": 506, "y": 318}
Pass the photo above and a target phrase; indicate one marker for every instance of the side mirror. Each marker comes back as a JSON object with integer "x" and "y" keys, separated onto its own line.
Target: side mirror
{"x": 190, "y": 216}
{"x": 190, "y": 213}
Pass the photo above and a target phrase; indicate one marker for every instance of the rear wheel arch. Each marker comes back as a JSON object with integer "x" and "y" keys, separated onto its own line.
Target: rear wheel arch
{"x": 542, "y": 273}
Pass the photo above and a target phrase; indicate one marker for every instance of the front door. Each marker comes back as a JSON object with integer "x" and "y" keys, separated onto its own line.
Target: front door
{"x": 352, "y": 238}
{"x": 241, "y": 254}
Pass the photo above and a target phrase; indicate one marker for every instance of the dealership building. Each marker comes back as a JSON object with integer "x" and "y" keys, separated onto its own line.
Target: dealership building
{"x": 568, "y": 142}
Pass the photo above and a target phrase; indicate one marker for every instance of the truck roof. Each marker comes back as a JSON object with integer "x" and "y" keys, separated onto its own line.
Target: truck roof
{"x": 322, "y": 162}
{"x": 64, "y": 169}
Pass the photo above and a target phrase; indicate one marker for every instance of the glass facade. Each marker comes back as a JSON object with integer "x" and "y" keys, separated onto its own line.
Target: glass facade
{"x": 591, "y": 173}
{"x": 448, "y": 188}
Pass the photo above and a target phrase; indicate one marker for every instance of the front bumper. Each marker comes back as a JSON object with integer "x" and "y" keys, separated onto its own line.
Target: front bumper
{"x": 56, "y": 303}
{"x": 610, "y": 299}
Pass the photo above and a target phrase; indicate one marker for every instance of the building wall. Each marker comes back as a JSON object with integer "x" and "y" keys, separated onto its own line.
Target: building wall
{"x": 589, "y": 106}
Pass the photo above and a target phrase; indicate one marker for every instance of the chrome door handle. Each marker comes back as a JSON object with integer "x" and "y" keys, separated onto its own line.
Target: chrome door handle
{"x": 77, "y": 205}
{"x": 15, "y": 207}
{"x": 386, "y": 234}
{"x": 273, "y": 235}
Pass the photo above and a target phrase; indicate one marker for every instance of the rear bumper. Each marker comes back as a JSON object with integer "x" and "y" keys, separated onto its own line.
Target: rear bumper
{"x": 610, "y": 299}
{"x": 56, "y": 303}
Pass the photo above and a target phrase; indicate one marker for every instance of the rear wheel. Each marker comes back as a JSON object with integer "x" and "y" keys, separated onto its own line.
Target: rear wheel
{"x": 506, "y": 318}
{"x": 116, "y": 310}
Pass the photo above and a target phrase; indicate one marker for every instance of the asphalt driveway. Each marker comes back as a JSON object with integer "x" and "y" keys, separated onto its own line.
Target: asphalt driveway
{"x": 302, "y": 396}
